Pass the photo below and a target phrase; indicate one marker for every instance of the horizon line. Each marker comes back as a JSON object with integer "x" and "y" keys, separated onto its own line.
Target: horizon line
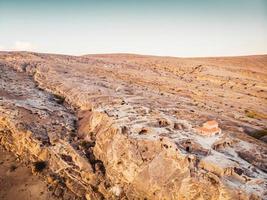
{"x": 137, "y": 54}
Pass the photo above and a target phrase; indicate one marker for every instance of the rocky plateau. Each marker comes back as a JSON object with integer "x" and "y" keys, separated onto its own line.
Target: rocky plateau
{"x": 125, "y": 126}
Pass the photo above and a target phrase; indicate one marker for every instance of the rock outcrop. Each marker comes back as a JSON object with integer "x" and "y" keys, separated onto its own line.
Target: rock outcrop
{"x": 209, "y": 128}
{"x": 97, "y": 129}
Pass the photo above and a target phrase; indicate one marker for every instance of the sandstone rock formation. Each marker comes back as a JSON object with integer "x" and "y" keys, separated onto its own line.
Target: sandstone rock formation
{"x": 209, "y": 128}
{"x": 124, "y": 126}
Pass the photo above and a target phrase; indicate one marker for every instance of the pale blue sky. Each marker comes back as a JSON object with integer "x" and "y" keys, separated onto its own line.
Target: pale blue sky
{"x": 167, "y": 27}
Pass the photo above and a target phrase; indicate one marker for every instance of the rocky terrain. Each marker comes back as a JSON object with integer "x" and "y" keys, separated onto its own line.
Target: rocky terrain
{"x": 18, "y": 182}
{"x": 124, "y": 126}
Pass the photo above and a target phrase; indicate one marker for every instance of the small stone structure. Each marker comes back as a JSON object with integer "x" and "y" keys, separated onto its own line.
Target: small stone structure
{"x": 209, "y": 128}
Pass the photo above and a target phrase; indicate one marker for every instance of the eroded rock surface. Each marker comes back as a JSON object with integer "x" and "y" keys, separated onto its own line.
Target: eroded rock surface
{"x": 124, "y": 126}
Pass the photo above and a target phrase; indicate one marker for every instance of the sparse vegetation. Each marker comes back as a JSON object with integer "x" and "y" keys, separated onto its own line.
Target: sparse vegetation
{"x": 39, "y": 166}
{"x": 255, "y": 115}
{"x": 260, "y": 133}
{"x": 13, "y": 168}
{"x": 59, "y": 99}
{"x": 250, "y": 114}
{"x": 112, "y": 127}
{"x": 257, "y": 133}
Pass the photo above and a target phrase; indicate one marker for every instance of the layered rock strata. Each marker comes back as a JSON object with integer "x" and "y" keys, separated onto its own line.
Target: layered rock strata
{"x": 104, "y": 133}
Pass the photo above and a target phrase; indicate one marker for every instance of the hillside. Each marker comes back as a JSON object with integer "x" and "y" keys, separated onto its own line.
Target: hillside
{"x": 125, "y": 126}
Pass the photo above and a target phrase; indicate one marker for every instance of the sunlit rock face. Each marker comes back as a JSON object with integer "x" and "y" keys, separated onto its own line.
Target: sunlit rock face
{"x": 209, "y": 128}
{"x": 139, "y": 127}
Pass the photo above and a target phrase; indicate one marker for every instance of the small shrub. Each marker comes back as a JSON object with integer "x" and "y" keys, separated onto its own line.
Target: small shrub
{"x": 13, "y": 168}
{"x": 260, "y": 133}
{"x": 250, "y": 114}
{"x": 256, "y": 133}
{"x": 254, "y": 114}
{"x": 59, "y": 99}
{"x": 39, "y": 166}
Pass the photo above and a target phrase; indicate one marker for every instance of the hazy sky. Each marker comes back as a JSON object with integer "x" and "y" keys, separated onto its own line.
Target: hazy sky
{"x": 158, "y": 27}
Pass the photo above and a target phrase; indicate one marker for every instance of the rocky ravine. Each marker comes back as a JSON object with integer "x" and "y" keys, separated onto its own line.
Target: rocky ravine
{"x": 124, "y": 126}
